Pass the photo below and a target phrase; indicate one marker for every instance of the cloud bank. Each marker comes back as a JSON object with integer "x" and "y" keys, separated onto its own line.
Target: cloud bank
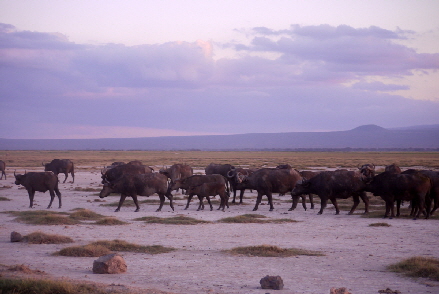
{"x": 304, "y": 78}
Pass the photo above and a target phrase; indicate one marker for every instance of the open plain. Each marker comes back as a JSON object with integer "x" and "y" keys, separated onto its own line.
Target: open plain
{"x": 355, "y": 255}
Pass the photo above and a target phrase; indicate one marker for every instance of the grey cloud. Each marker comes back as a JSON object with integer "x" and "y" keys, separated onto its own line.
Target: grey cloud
{"x": 379, "y": 86}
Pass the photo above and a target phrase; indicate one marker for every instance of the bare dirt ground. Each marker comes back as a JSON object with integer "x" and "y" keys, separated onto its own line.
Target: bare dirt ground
{"x": 356, "y": 255}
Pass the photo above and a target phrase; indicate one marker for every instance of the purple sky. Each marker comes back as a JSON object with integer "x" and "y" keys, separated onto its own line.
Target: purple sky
{"x": 65, "y": 77}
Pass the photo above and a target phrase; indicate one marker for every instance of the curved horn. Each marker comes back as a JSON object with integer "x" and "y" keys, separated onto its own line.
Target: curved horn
{"x": 231, "y": 173}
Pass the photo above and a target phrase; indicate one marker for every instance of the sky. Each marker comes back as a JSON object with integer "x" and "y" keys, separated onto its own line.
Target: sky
{"x": 118, "y": 69}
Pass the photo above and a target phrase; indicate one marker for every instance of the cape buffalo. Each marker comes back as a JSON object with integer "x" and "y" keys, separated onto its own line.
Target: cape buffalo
{"x": 3, "y": 169}
{"x": 110, "y": 175}
{"x": 393, "y": 168}
{"x": 211, "y": 189}
{"x": 196, "y": 180}
{"x": 220, "y": 169}
{"x": 138, "y": 185}
{"x": 235, "y": 177}
{"x": 58, "y": 166}
{"x": 335, "y": 184}
{"x": 268, "y": 180}
{"x": 39, "y": 182}
{"x": 177, "y": 171}
{"x": 393, "y": 187}
{"x": 306, "y": 175}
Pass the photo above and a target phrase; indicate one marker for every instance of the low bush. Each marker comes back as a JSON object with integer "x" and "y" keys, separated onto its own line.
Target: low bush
{"x": 90, "y": 250}
{"x": 120, "y": 245}
{"x": 110, "y": 221}
{"x": 253, "y": 218}
{"x": 379, "y": 225}
{"x": 85, "y": 214}
{"x": 176, "y": 220}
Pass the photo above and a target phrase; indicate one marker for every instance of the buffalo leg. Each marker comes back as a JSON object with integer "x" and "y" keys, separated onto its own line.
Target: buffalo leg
{"x": 58, "y": 194}
{"x": 311, "y": 200}
{"x": 52, "y": 197}
{"x": 210, "y": 204}
{"x": 258, "y": 201}
{"x": 122, "y": 199}
{"x": 162, "y": 201}
{"x": 241, "y": 195}
{"x": 136, "y": 202}
{"x": 73, "y": 176}
{"x": 65, "y": 179}
{"x": 365, "y": 199}
{"x": 323, "y": 203}
{"x": 334, "y": 202}
{"x": 270, "y": 200}
{"x": 31, "y": 197}
{"x": 356, "y": 202}
{"x": 170, "y": 197}
{"x": 189, "y": 200}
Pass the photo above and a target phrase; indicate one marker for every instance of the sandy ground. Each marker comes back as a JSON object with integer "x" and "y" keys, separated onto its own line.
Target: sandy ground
{"x": 356, "y": 255}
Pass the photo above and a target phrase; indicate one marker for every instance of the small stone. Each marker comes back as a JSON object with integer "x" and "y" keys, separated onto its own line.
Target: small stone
{"x": 272, "y": 282}
{"x": 342, "y": 290}
{"x": 16, "y": 237}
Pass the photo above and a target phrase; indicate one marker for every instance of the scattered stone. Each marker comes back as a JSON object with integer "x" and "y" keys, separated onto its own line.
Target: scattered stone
{"x": 109, "y": 264}
{"x": 342, "y": 290}
{"x": 389, "y": 291}
{"x": 272, "y": 282}
{"x": 16, "y": 237}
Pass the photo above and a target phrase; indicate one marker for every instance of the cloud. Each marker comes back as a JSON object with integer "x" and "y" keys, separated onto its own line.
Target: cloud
{"x": 302, "y": 78}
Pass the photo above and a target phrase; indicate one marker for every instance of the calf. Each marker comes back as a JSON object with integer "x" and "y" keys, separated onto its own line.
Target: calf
{"x": 210, "y": 189}
{"x": 39, "y": 182}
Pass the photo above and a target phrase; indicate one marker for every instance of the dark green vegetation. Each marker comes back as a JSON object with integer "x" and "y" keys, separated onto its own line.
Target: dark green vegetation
{"x": 418, "y": 267}
{"x": 379, "y": 225}
{"x": 103, "y": 247}
{"x": 4, "y": 199}
{"x": 176, "y": 220}
{"x": 271, "y": 251}
{"x": 109, "y": 221}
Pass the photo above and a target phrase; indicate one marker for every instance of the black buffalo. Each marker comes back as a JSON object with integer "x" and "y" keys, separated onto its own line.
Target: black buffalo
{"x": 196, "y": 180}
{"x": 393, "y": 168}
{"x": 393, "y": 187}
{"x": 138, "y": 185}
{"x": 58, "y": 166}
{"x": 210, "y": 189}
{"x": 306, "y": 175}
{"x": 110, "y": 175}
{"x": 235, "y": 177}
{"x": 3, "y": 169}
{"x": 39, "y": 182}
{"x": 220, "y": 169}
{"x": 330, "y": 185}
{"x": 177, "y": 172}
{"x": 271, "y": 180}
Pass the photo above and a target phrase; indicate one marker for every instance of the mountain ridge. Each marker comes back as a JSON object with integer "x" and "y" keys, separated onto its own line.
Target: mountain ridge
{"x": 362, "y": 137}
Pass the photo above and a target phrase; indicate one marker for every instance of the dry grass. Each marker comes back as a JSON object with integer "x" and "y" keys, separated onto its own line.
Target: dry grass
{"x": 177, "y": 220}
{"x": 42, "y": 238}
{"x": 95, "y": 160}
{"x": 271, "y": 251}
{"x": 87, "y": 189}
{"x": 85, "y": 214}
{"x": 84, "y": 251}
{"x": 43, "y": 217}
{"x": 253, "y": 218}
{"x": 379, "y": 225}
{"x": 419, "y": 267}
{"x": 110, "y": 221}
{"x": 120, "y": 245}
{"x": 130, "y": 202}
{"x": 4, "y": 199}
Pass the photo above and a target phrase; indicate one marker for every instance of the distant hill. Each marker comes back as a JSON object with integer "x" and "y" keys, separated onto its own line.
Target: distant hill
{"x": 361, "y": 138}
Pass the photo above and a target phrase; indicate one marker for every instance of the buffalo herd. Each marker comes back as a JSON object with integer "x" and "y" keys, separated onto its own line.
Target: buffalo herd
{"x": 419, "y": 187}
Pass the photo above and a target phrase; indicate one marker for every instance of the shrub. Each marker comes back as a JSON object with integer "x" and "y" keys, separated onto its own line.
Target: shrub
{"x": 379, "y": 225}
{"x": 85, "y": 214}
{"x": 253, "y": 218}
{"x": 4, "y": 199}
{"x": 90, "y": 250}
{"x": 120, "y": 245}
{"x": 110, "y": 221}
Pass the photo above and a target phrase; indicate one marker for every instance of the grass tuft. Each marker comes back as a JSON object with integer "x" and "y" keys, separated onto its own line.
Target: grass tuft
{"x": 110, "y": 221}
{"x": 4, "y": 199}
{"x": 271, "y": 251}
{"x": 85, "y": 214}
{"x": 176, "y": 220}
{"x": 120, "y": 245}
{"x": 42, "y": 238}
{"x": 252, "y": 218}
{"x": 419, "y": 267}
{"x": 84, "y": 251}
{"x": 379, "y": 225}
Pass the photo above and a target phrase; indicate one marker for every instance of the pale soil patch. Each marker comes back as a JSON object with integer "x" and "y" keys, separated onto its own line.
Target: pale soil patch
{"x": 356, "y": 255}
